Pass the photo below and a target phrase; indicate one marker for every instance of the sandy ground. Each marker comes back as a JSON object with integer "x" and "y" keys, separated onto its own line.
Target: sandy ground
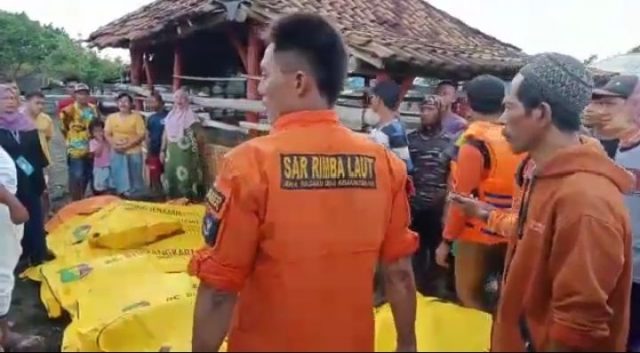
{"x": 27, "y": 311}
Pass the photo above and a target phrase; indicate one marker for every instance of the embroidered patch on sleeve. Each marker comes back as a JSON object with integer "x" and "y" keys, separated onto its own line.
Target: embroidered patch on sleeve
{"x": 216, "y": 200}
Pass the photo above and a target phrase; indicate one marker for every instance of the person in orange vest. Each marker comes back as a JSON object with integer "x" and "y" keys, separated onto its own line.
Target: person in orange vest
{"x": 297, "y": 220}
{"x": 484, "y": 168}
{"x": 569, "y": 262}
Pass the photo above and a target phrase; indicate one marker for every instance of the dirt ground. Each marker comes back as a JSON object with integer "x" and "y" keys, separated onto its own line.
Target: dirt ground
{"x": 27, "y": 311}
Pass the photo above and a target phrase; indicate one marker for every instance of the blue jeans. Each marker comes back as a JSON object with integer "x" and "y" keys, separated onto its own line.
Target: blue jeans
{"x": 80, "y": 175}
{"x": 126, "y": 173}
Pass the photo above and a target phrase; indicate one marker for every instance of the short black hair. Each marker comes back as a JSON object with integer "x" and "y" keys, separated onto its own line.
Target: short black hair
{"x": 319, "y": 43}
{"x": 95, "y": 123}
{"x": 125, "y": 94}
{"x": 34, "y": 94}
{"x": 485, "y": 94}
{"x": 447, "y": 83}
{"x": 563, "y": 117}
{"x": 157, "y": 96}
{"x": 389, "y": 93}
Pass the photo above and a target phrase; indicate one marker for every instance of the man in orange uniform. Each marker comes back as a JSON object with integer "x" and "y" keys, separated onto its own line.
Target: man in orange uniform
{"x": 297, "y": 220}
{"x": 484, "y": 168}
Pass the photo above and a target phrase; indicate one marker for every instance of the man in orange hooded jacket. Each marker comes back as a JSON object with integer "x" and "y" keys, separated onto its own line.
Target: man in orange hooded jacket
{"x": 297, "y": 220}
{"x": 568, "y": 269}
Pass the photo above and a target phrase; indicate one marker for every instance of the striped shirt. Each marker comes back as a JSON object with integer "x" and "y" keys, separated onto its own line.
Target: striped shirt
{"x": 393, "y": 135}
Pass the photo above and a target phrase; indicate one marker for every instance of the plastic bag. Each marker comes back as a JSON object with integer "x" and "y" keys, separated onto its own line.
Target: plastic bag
{"x": 126, "y": 229}
{"x": 440, "y": 327}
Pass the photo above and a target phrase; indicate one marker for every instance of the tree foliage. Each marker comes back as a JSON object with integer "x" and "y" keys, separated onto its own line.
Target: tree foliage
{"x": 591, "y": 59}
{"x": 26, "y": 47}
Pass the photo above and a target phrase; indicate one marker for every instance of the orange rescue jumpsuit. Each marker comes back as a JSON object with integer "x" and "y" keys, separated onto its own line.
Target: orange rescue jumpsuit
{"x": 297, "y": 222}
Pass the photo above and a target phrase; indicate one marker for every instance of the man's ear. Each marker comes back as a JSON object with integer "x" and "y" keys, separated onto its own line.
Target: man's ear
{"x": 543, "y": 112}
{"x": 302, "y": 83}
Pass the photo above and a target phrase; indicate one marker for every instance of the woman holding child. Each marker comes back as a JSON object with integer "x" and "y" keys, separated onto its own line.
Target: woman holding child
{"x": 125, "y": 132}
{"x": 182, "y": 168}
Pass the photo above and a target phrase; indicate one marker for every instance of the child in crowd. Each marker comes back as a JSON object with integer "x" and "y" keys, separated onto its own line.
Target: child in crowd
{"x": 155, "y": 130}
{"x": 101, "y": 151}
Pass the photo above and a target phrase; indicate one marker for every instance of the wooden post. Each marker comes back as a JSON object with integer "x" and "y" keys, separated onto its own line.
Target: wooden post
{"x": 148, "y": 70}
{"x": 255, "y": 47}
{"x": 136, "y": 55}
{"x": 177, "y": 66}
{"x": 382, "y": 76}
{"x": 406, "y": 85}
{"x": 240, "y": 49}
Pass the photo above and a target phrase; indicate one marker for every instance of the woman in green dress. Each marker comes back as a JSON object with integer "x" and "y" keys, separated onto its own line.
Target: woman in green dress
{"x": 183, "y": 175}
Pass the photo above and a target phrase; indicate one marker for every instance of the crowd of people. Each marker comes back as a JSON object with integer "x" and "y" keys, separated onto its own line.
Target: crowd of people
{"x": 516, "y": 201}
{"x": 110, "y": 154}
{"x": 105, "y": 155}
{"x": 516, "y": 206}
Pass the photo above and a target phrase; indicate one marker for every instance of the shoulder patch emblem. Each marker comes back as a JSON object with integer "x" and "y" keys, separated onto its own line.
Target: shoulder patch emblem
{"x": 215, "y": 199}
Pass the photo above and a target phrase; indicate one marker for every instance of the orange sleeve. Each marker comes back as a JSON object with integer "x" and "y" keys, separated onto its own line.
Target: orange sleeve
{"x": 468, "y": 176}
{"x": 231, "y": 227}
{"x": 399, "y": 240}
{"x": 587, "y": 258}
{"x": 502, "y": 222}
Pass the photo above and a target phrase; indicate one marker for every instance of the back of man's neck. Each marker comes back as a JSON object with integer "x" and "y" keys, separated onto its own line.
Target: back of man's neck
{"x": 387, "y": 116}
{"x": 485, "y": 117}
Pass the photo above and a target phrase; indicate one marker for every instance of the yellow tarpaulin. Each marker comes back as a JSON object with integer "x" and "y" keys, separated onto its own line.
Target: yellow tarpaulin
{"x": 136, "y": 296}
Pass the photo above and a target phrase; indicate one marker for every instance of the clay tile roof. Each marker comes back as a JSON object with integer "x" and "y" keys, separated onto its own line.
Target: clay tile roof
{"x": 409, "y": 34}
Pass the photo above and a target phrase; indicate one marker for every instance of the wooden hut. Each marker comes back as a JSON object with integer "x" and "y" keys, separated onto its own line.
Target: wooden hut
{"x": 169, "y": 40}
{"x": 177, "y": 41}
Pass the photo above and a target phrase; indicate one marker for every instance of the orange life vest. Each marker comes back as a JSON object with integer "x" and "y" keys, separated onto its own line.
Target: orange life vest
{"x": 497, "y": 186}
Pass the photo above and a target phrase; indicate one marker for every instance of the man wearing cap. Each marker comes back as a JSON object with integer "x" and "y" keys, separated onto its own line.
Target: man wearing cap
{"x": 431, "y": 150}
{"x": 388, "y": 129}
{"x": 483, "y": 167}
{"x": 70, "y": 88}
{"x": 568, "y": 268}
{"x": 615, "y": 112}
{"x": 75, "y": 120}
{"x": 607, "y": 100}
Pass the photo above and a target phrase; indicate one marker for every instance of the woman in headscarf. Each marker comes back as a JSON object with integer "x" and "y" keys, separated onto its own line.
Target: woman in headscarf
{"x": 431, "y": 150}
{"x": 183, "y": 169}
{"x": 19, "y": 137}
{"x": 126, "y": 132}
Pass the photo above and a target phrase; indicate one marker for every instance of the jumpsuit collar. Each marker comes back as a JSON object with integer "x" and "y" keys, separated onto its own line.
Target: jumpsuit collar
{"x": 305, "y": 118}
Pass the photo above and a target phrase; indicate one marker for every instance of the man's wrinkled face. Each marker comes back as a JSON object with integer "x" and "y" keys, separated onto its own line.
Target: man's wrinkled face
{"x": 523, "y": 129}
{"x": 447, "y": 93}
{"x": 36, "y": 105}
{"x": 82, "y": 97}
{"x": 278, "y": 86}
